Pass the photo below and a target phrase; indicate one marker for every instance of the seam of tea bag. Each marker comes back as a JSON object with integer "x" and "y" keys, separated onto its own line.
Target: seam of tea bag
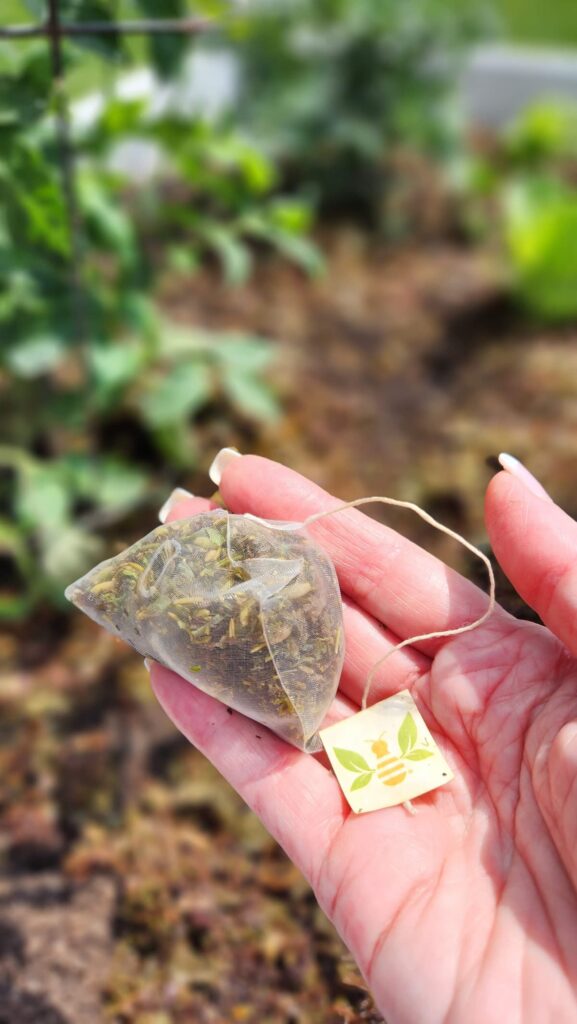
{"x": 264, "y": 600}
{"x": 228, "y": 540}
{"x": 450, "y": 533}
{"x": 313, "y": 743}
{"x": 166, "y": 554}
{"x": 272, "y": 525}
{"x": 276, "y": 668}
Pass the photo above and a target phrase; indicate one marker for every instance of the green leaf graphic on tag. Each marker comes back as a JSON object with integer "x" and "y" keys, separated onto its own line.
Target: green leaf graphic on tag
{"x": 351, "y": 760}
{"x": 404, "y": 761}
{"x": 407, "y": 736}
{"x": 362, "y": 780}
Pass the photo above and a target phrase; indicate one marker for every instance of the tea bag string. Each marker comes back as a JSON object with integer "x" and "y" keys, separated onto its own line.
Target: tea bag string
{"x": 450, "y": 533}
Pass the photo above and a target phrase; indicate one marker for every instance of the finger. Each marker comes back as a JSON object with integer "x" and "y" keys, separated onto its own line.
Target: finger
{"x": 366, "y": 643}
{"x": 297, "y": 798}
{"x": 393, "y": 579}
{"x": 535, "y": 543}
{"x": 184, "y": 507}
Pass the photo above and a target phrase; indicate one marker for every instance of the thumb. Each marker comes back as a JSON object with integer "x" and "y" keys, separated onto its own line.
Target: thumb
{"x": 535, "y": 543}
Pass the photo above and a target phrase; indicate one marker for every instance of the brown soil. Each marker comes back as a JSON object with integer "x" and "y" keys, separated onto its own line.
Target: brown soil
{"x": 137, "y": 887}
{"x": 402, "y": 372}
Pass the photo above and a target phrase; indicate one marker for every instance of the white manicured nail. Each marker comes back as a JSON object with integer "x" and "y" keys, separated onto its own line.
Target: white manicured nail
{"x": 148, "y": 663}
{"x": 516, "y": 468}
{"x": 178, "y": 494}
{"x": 220, "y": 462}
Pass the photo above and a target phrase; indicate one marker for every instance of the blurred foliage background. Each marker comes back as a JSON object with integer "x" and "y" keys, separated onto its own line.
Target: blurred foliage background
{"x": 278, "y": 232}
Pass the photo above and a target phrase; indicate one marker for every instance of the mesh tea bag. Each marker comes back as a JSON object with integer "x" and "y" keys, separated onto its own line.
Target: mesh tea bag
{"x": 250, "y": 614}
{"x": 248, "y": 610}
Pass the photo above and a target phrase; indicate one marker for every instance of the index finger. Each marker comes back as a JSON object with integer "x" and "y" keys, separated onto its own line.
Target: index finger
{"x": 393, "y": 579}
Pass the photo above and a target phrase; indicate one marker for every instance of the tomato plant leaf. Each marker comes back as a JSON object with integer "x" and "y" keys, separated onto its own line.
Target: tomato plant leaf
{"x": 178, "y": 394}
{"x": 250, "y": 395}
{"x": 166, "y": 49}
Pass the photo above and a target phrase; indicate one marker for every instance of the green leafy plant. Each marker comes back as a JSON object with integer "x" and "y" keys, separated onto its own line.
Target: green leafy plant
{"x": 333, "y": 87}
{"x": 100, "y": 394}
{"x": 521, "y": 193}
{"x": 540, "y": 223}
{"x": 158, "y": 385}
{"x": 546, "y": 131}
{"x": 539, "y": 203}
{"x": 215, "y": 192}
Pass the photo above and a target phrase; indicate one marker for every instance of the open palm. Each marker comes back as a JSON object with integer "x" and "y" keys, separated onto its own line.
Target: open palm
{"x": 466, "y": 911}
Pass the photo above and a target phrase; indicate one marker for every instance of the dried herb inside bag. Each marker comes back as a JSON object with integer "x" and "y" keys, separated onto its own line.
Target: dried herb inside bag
{"x": 248, "y": 612}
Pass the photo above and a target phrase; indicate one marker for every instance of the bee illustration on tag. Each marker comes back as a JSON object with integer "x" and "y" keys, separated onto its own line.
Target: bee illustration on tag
{"x": 391, "y": 769}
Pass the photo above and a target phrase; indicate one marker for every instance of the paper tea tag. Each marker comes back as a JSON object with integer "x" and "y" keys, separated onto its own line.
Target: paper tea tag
{"x": 385, "y": 755}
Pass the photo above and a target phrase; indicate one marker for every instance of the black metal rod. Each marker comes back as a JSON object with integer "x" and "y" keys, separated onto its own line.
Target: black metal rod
{"x": 67, "y": 170}
{"x": 176, "y": 26}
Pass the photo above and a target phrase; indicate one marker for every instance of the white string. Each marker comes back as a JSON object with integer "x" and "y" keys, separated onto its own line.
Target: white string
{"x": 450, "y": 533}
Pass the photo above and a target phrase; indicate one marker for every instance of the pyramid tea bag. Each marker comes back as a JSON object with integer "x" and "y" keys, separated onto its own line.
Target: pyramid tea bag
{"x": 250, "y": 613}
{"x": 247, "y": 609}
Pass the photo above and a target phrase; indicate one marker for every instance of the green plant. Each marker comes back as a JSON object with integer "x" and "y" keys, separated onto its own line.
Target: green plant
{"x": 100, "y": 394}
{"x": 546, "y": 131}
{"x": 522, "y": 193}
{"x": 58, "y": 503}
{"x": 215, "y": 192}
{"x": 333, "y": 86}
{"x": 540, "y": 226}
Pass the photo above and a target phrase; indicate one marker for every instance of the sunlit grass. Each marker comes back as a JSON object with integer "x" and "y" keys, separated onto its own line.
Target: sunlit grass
{"x": 529, "y": 21}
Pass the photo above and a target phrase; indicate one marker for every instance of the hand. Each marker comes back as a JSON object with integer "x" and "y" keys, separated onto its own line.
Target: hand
{"x": 468, "y": 910}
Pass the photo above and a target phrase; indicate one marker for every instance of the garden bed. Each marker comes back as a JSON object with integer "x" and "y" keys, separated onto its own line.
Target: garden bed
{"x": 400, "y": 372}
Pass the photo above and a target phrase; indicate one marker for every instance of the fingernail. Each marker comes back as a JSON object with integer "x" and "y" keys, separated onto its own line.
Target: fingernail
{"x": 516, "y": 468}
{"x": 567, "y": 739}
{"x": 220, "y": 462}
{"x": 148, "y": 664}
{"x": 178, "y": 494}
